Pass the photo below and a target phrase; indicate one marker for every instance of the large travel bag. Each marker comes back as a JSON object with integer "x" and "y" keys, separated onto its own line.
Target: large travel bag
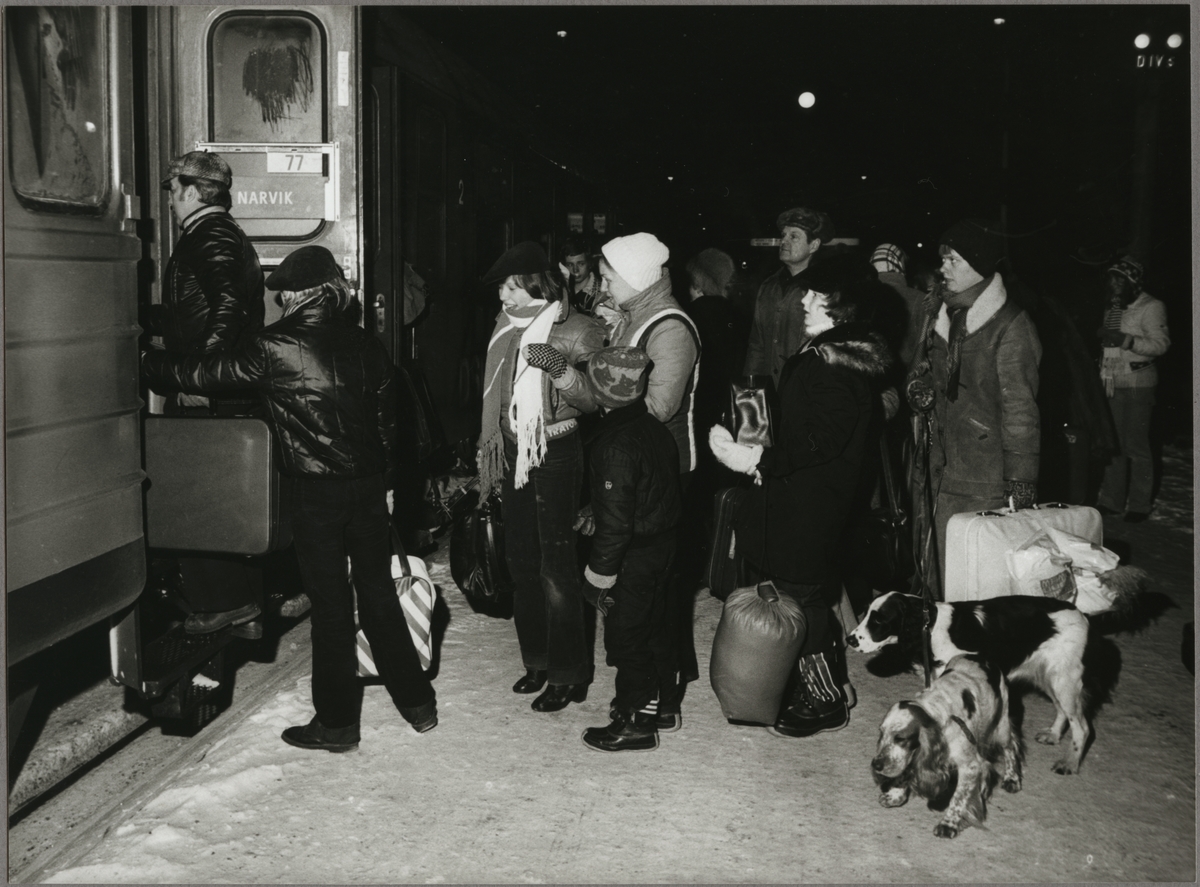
{"x": 977, "y": 544}
{"x": 725, "y": 571}
{"x": 214, "y": 486}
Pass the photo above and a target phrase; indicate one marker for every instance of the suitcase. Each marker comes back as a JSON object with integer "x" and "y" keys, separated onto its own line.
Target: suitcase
{"x": 214, "y": 486}
{"x": 724, "y": 571}
{"x": 477, "y": 562}
{"x": 976, "y": 545}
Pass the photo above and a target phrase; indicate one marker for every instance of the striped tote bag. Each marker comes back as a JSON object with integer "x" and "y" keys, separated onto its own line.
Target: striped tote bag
{"x": 417, "y": 599}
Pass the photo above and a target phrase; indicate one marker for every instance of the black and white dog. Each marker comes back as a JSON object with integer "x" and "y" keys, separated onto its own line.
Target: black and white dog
{"x": 1034, "y": 639}
{"x": 946, "y": 744}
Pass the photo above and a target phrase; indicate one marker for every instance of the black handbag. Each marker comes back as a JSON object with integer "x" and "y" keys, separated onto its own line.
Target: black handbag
{"x": 880, "y": 549}
{"x": 751, "y": 407}
{"x": 477, "y": 552}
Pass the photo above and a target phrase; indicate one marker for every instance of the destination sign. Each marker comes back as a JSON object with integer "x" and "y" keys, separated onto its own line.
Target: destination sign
{"x": 291, "y": 182}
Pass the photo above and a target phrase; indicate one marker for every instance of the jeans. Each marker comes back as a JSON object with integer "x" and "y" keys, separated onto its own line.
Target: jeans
{"x": 1131, "y": 408}
{"x": 334, "y": 518}
{"x": 639, "y": 635}
{"x": 540, "y": 550}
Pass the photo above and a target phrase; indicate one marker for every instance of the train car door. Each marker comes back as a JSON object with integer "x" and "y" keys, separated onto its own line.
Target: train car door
{"x": 72, "y": 454}
{"x": 275, "y": 90}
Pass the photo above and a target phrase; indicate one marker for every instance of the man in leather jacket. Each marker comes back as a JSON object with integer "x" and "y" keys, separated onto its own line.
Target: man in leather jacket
{"x": 212, "y": 296}
{"x": 330, "y": 395}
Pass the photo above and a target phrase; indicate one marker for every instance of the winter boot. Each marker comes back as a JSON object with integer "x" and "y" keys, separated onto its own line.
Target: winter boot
{"x": 819, "y": 705}
{"x": 627, "y": 732}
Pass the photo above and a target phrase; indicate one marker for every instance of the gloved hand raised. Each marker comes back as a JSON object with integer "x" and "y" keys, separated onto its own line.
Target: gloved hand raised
{"x": 546, "y": 358}
{"x": 585, "y": 522}
{"x": 1021, "y": 493}
{"x": 735, "y": 456}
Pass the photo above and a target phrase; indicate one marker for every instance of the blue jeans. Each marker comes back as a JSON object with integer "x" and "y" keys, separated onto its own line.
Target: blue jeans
{"x": 539, "y": 546}
{"x": 1131, "y": 409}
{"x": 334, "y": 518}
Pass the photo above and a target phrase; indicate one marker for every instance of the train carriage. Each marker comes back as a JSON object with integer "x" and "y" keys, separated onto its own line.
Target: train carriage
{"x": 345, "y": 127}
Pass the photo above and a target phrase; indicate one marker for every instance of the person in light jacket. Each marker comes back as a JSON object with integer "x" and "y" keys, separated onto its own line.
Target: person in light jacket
{"x": 1134, "y": 336}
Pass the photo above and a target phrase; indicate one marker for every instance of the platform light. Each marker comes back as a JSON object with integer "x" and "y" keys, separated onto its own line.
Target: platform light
{"x": 919, "y": 245}
{"x": 670, "y": 178}
{"x": 562, "y": 33}
{"x": 807, "y": 100}
{"x": 1141, "y": 41}
{"x": 864, "y": 178}
{"x": 1175, "y": 41}
{"x": 997, "y": 21}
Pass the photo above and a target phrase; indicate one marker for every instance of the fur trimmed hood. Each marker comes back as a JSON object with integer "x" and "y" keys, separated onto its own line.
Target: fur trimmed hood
{"x": 854, "y": 346}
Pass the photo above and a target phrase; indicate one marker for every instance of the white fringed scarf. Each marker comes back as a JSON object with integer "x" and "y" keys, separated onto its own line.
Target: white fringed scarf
{"x": 525, "y": 409}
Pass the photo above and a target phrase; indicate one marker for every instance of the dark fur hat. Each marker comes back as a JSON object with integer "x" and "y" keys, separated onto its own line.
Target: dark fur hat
{"x": 303, "y": 269}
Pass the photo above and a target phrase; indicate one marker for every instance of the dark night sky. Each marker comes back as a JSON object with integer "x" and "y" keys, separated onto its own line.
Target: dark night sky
{"x": 913, "y": 98}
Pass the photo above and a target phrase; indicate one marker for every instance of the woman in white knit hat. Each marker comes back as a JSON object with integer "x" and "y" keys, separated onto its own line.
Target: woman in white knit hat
{"x": 529, "y": 446}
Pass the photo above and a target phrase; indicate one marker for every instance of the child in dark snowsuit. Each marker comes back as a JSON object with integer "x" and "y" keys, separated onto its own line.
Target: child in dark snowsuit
{"x": 636, "y": 504}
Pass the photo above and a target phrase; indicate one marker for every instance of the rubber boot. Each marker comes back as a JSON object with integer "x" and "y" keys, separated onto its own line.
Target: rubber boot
{"x": 627, "y": 732}
{"x": 819, "y": 705}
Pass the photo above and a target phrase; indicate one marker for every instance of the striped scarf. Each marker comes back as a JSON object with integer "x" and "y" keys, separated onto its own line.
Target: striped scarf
{"x": 1111, "y": 359}
{"x": 525, "y": 418}
{"x": 957, "y": 306}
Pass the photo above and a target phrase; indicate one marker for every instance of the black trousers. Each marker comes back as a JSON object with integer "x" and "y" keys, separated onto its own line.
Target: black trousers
{"x": 640, "y": 639}
{"x": 334, "y": 518}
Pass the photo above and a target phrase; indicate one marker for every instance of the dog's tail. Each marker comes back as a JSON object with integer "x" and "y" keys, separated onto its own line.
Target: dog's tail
{"x": 1133, "y": 604}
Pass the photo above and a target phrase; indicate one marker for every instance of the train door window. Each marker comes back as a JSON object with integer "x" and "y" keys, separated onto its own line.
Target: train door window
{"x": 430, "y": 231}
{"x": 58, "y": 112}
{"x": 267, "y": 79}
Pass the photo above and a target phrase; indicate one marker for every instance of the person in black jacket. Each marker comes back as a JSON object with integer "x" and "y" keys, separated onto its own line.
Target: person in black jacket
{"x": 212, "y": 297}
{"x": 636, "y": 505}
{"x": 329, "y": 391}
{"x": 789, "y": 525}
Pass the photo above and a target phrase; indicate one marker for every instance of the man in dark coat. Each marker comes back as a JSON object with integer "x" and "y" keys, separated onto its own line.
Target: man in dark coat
{"x": 789, "y": 525}
{"x": 636, "y": 504}
{"x": 329, "y": 390}
{"x": 212, "y": 298}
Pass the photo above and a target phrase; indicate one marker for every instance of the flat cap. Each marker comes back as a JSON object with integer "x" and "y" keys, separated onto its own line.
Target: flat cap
{"x": 303, "y": 269}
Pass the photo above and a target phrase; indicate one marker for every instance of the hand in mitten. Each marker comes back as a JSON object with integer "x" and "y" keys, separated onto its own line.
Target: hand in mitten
{"x": 1021, "y": 493}
{"x": 584, "y": 522}
{"x": 598, "y": 597}
{"x": 547, "y": 358}
{"x": 735, "y": 456}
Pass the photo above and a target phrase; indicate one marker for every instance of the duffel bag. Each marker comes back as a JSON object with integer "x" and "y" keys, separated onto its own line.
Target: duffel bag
{"x": 477, "y": 551}
{"x": 755, "y": 648}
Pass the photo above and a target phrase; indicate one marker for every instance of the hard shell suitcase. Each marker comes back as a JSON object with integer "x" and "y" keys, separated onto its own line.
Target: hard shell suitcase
{"x": 214, "y": 486}
{"x": 977, "y": 542}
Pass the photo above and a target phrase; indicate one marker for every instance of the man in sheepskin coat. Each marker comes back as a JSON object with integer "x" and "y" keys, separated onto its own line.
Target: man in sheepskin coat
{"x": 790, "y": 525}
{"x": 977, "y": 360}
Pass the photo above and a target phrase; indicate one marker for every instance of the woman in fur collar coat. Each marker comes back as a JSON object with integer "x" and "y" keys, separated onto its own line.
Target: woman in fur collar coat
{"x": 790, "y": 524}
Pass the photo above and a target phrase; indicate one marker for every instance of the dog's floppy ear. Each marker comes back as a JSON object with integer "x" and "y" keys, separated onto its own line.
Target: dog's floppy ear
{"x": 936, "y": 775}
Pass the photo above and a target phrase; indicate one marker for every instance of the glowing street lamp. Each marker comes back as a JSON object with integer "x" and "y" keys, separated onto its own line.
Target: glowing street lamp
{"x": 807, "y": 100}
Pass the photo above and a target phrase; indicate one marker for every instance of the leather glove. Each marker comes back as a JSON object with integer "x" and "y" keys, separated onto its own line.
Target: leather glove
{"x": 584, "y": 521}
{"x": 546, "y": 358}
{"x": 891, "y": 403}
{"x": 598, "y": 597}
{"x": 735, "y": 456}
{"x": 1021, "y": 493}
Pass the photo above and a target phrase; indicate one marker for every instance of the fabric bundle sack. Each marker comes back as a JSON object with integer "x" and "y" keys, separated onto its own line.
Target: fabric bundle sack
{"x": 750, "y": 410}
{"x": 477, "y": 550}
{"x": 724, "y": 572}
{"x": 977, "y": 545}
{"x": 1062, "y": 565}
{"x": 755, "y": 648}
{"x": 417, "y": 599}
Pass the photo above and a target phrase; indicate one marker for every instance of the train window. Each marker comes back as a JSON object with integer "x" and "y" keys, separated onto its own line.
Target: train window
{"x": 268, "y": 79}
{"x": 429, "y": 246}
{"x": 58, "y": 114}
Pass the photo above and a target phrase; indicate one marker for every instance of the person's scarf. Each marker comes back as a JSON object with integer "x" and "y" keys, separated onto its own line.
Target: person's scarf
{"x": 957, "y": 306}
{"x": 1111, "y": 360}
{"x": 525, "y": 409}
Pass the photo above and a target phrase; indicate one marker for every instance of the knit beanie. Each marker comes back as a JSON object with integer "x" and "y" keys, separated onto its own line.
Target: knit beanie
{"x": 638, "y": 258}
{"x": 711, "y": 270}
{"x": 891, "y": 257}
{"x": 618, "y": 375}
{"x": 979, "y": 242}
{"x": 1129, "y": 268}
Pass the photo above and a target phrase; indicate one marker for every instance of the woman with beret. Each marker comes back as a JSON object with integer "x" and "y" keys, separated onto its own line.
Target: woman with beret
{"x": 529, "y": 448}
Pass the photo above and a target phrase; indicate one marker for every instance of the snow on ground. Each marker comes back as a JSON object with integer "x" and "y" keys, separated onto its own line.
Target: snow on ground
{"x": 500, "y": 794}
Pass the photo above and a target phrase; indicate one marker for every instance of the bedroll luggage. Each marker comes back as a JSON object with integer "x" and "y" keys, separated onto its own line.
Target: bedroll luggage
{"x": 755, "y": 648}
{"x": 724, "y": 571}
{"x": 977, "y": 545}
